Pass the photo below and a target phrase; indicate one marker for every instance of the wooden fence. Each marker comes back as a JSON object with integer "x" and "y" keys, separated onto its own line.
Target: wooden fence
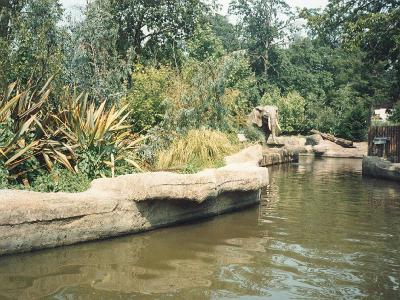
{"x": 384, "y": 141}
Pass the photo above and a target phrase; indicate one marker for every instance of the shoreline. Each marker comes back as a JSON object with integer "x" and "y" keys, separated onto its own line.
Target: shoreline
{"x": 130, "y": 204}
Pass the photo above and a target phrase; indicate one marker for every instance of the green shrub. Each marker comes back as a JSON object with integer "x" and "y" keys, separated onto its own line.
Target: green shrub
{"x": 395, "y": 115}
{"x": 61, "y": 180}
{"x": 147, "y": 99}
{"x": 84, "y": 137}
{"x": 350, "y": 113}
{"x": 101, "y": 137}
{"x": 217, "y": 93}
{"x": 354, "y": 124}
{"x": 254, "y": 134}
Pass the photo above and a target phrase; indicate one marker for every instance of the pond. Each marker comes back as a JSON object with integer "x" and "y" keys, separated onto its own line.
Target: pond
{"x": 321, "y": 232}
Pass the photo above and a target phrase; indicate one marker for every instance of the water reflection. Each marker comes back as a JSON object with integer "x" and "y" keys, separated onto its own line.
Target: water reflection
{"x": 321, "y": 231}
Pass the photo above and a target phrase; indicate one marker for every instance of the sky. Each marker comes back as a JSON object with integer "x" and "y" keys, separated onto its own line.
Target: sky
{"x": 70, "y": 4}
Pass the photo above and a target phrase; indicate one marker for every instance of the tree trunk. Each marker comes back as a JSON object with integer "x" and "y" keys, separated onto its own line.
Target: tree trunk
{"x": 341, "y": 142}
{"x": 4, "y": 18}
{"x": 266, "y": 60}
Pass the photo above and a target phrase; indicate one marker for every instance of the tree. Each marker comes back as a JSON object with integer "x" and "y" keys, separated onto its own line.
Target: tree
{"x": 8, "y": 10}
{"x": 31, "y": 40}
{"x": 94, "y": 63}
{"x": 205, "y": 44}
{"x": 263, "y": 24}
{"x": 225, "y": 31}
{"x": 153, "y": 22}
{"x": 116, "y": 35}
{"x": 292, "y": 110}
{"x": 333, "y": 81}
{"x": 373, "y": 26}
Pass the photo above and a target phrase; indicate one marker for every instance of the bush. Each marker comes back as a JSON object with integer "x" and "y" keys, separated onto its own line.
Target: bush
{"x": 61, "y": 180}
{"x": 85, "y": 138}
{"x": 350, "y": 113}
{"x": 354, "y": 124}
{"x": 147, "y": 98}
{"x": 101, "y": 137}
{"x": 196, "y": 150}
{"x": 395, "y": 115}
{"x": 23, "y": 139}
{"x": 254, "y": 134}
{"x": 216, "y": 94}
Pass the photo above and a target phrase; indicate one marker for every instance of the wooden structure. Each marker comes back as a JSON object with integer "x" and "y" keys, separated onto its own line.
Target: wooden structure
{"x": 384, "y": 141}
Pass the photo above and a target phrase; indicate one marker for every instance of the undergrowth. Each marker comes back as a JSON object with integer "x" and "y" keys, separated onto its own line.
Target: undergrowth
{"x": 196, "y": 150}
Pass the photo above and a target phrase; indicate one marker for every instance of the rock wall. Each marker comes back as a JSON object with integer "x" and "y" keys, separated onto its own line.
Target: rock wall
{"x": 127, "y": 204}
{"x": 322, "y": 148}
{"x": 264, "y": 156}
{"x": 273, "y": 156}
{"x": 380, "y": 168}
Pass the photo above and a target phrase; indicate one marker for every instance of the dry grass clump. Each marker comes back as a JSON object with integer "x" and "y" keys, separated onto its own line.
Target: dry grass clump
{"x": 196, "y": 150}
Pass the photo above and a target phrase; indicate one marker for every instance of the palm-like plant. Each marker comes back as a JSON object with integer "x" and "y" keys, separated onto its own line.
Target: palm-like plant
{"x": 21, "y": 115}
{"x": 35, "y": 135}
{"x": 97, "y": 130}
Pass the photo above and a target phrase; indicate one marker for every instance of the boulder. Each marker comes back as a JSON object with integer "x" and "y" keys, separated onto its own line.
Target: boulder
{"x": 274, "y": 156}
{"x": 295, "y": 143}
{"x": 252, "y": 155}
{"x": 380, "y": 168}
{"x": 330, "y": 149}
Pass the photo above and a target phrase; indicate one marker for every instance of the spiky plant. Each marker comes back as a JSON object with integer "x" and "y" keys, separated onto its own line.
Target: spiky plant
{"x": 77, "y": 134}
{"x": 25, "y": 141}
{"x": 101, "y": 136}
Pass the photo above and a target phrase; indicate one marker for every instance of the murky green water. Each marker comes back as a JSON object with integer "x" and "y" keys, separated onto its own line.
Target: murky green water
{"x": 321, "y": 232}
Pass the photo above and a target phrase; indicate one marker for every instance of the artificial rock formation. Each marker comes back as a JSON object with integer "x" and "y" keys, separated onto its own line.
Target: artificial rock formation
{"x": 127, "y": 204}
{"x": 323, "y": 148}
{"x": 379, "y": 167}
{"x": 274, "y": 156}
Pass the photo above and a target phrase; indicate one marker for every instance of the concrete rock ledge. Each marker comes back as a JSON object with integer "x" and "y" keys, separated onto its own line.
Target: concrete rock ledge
{"x": 380, "y": 168}
{"x": 128, "y": 204}
{"x": 273, "y": 156}
{"x": 315, "y": 144}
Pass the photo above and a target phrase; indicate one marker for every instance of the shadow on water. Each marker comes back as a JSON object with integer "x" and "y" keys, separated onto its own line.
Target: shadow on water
{"x": 321, "y": 232}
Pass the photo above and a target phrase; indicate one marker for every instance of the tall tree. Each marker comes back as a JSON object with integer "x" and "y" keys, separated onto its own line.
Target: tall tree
{"x": 142, "y": 21}
{"x": 371, "y": 25}
{"x": 263, "y": 24}
{"x": 225, "y": 31}
{"x": 115, "y": 35}
{"x": 31, "y": 41}
{"x": 94, "y": 62}
{"x": 8, "y": 10}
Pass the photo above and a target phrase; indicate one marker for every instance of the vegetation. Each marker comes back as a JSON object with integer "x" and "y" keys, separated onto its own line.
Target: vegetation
{"x": 196, "y": 150}
{"x": 37, "y": 137}
{"x": 135, "y": 85}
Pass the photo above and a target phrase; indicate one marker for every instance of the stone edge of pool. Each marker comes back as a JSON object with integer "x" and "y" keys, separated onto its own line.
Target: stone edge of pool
{"x": 132, "y": 203}
{"x": 378, "y": 167}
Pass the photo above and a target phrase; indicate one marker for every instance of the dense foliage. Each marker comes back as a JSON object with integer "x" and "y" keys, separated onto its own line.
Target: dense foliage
{"x": 108, "y": 92}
